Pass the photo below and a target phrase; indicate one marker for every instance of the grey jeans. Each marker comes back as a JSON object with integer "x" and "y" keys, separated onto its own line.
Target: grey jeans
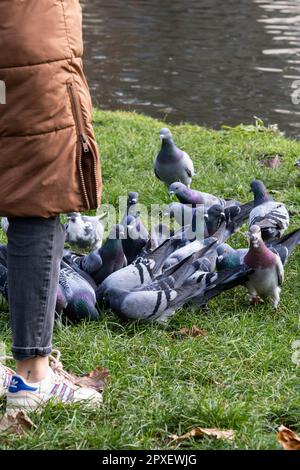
{"x": 35, "y": 248}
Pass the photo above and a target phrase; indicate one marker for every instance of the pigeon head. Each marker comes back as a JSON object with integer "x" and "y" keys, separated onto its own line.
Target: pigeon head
{"x": 165, "y": 134}
{"x": 255, "y": 236}
{"x": 177, "y": 188}
{"x": 73, "y": 216}
{"x": 216, "y": 212}
{"x": 259, "y": 191}
{"x": 224, "y": 249}
{"x": 133, "y": 198}
{"x": 297, "y": 163}
{"x": 114, "y": 297}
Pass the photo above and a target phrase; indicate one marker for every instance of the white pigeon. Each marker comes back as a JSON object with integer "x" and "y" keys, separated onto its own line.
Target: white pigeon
{"x": 84, "y": 231}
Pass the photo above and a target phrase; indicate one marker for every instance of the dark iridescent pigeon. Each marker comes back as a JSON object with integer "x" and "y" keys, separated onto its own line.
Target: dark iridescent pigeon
{"x": 84, "y": 231}
{"x": 171, "y": 163}
{"x": 133, "y": 242}
{"x": 268, "y": 273}
{"x": 193, "y": 197}
{"x": 112, "y": 255}
{"x": 78, "y": 295}
{"x": 272, "y": 217}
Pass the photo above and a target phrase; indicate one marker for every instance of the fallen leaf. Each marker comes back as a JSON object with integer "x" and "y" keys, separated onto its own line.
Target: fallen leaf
{"x": 96, "y": 379}
{"x": 288, "y": 439}
{"x": 200, "y": 432}
{"x": 187, "y": 332}
{"x": 272, "y": 161}
{"x": 17, "y": 423}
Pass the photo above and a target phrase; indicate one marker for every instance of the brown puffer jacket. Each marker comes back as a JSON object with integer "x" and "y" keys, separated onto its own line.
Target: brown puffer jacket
{"x": 49, "y": 160}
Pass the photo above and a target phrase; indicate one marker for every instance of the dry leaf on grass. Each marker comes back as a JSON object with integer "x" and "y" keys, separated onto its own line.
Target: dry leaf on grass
{"x": 272, "y": 161}
{"x": 189, "y": 332}
{"x": 96, "y": 379}
{"x": 17, "y": 423}
{"x": 288, "y": 439}
{"x": 200, "y": 432}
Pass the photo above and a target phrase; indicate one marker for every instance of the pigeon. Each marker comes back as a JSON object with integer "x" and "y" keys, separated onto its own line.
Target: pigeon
{"x": 193, "y": 197}
{"x": 213, "y": 219}
{"x": 268, "y": 271}
{"x": 133, "y": 242}
{"x": 84, "y": 231}
{"x": 131, "y": 208}
{"x": 4, "y": 224}
{"x": 142, "y": 272}
{"x": 76, "y": 296}
{"x": 157, "y": 301}
{"x": 112, "y": 255}
{"x": 272, "y": 217}
{"x": 88, "y": 264}
{"x": 171, "y": 163}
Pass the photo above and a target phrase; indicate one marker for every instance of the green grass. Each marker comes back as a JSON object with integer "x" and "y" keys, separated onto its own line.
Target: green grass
{"x": 241, "y": 375}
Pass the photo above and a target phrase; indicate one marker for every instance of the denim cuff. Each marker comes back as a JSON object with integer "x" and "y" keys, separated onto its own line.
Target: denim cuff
{"x": 20, "y": 354}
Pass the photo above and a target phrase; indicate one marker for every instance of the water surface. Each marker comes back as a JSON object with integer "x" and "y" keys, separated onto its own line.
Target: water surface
{"x": 209, "y": 62}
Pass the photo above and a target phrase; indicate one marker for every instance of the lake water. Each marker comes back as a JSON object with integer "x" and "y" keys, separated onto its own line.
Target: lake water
{"x": 209, "y": 62}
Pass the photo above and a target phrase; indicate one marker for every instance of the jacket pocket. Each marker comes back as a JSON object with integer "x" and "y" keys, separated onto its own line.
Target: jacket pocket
{"x": 87, "y": 160}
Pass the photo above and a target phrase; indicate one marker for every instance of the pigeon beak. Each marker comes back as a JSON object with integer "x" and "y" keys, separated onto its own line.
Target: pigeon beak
{"x": 161, "y": 136}
{"x": 223, "y": 216}
{"x": 134, "y": 201}
{"x": 171, "y": 193}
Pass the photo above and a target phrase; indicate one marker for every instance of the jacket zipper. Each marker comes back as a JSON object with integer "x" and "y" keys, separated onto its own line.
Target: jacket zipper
{"x": 82, "y": 137}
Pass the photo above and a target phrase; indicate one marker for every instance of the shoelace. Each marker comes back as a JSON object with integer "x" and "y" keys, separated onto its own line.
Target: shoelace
{"x": 58, "y": 369}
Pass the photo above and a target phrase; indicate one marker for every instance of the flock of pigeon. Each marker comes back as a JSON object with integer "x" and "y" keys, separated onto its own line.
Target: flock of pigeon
{"x": 148, "y": 275}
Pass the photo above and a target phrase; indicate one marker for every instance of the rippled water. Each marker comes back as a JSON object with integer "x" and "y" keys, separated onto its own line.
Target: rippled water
{"x": 210, "y": 62}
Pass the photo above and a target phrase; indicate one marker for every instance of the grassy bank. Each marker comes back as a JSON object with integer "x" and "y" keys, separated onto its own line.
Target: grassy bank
{"x": 240, "y": 375}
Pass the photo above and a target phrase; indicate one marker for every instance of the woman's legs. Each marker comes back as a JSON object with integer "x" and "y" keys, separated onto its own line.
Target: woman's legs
{"x": 35, "y": 248}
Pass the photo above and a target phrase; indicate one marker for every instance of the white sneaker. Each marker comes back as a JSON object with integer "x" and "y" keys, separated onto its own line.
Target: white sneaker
{"x": 5, "y": 376}
{"x": 26, "y": 396}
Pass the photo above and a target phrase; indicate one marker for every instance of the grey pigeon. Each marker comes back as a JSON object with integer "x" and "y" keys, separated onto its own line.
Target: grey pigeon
{"x": 272, "y": 217}
{"x": 193, "y": 197}
{"x": 171, "y": 163}
{"x": 142, "y": 272}
{"x": 89, "y": 264}
{"x": 112, "y": 254}
{"x": 77, "y": 294}
{"x": 158, "y": 301}
{"x": 84, "y": 231}
{"x": 268, "y": 272}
